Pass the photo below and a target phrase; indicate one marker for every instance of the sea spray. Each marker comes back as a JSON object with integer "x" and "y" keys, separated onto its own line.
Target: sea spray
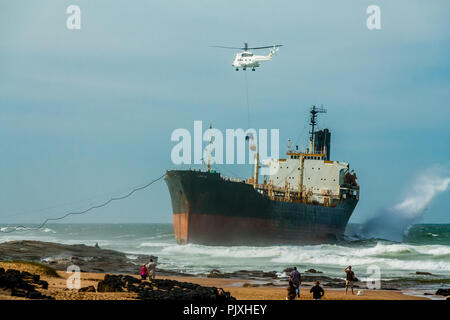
{"x": 392, "y": 223}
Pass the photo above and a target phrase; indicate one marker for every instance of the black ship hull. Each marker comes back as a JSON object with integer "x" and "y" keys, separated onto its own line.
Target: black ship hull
{"x": 210, "y": 210}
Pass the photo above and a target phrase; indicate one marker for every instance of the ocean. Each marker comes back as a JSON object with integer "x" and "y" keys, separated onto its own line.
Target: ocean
{"x": 425, "y": 248}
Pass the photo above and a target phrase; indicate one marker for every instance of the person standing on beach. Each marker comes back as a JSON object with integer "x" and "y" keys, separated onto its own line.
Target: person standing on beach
{"x": 291, "y": 291}
{"x": 296, "y": 279}
{"x": 151, "y": 266}
{"x": 317, "y": 291}
{"x": 144, "y": 272}
{"x": 349, "y": 279}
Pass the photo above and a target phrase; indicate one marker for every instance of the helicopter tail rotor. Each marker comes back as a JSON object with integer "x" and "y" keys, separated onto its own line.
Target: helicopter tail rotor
{"x": 274, "y": 50}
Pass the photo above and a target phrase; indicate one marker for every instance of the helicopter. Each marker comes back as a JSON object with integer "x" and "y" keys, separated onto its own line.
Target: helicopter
{"x": 247, "y": 59}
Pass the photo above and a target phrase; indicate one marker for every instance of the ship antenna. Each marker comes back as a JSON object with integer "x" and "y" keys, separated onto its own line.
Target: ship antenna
{"x": 314, "y": 111}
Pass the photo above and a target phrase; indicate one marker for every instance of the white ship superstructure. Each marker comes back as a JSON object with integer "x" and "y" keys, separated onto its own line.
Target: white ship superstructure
{"x": 310, "y": 176}
{"x": 322, "y": 181}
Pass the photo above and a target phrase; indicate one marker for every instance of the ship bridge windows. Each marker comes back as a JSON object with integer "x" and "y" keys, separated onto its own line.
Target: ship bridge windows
{"x": 314, "y": 157}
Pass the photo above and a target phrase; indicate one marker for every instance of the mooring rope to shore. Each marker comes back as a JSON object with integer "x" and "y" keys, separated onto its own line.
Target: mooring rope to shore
{"x": 24, "y": 228}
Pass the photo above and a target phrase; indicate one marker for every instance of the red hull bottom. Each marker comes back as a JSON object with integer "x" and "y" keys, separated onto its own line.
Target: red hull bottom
{"x": 224, "y": 230}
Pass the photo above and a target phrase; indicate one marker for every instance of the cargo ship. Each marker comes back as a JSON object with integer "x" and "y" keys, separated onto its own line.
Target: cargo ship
{"x": 307, "y": 200}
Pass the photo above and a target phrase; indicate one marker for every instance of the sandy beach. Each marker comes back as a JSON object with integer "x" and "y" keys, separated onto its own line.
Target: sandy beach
{"x": 241, "y": 289}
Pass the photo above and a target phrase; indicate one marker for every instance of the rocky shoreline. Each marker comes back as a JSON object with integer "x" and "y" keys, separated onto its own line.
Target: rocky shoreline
{"x": 24, "y": 284}
{"x": 99, "y": 260}
{"x": 60, "y": 256}
{"x": 95, "y": 259}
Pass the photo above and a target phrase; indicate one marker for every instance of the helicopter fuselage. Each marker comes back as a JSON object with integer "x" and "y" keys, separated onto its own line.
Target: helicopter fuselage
{"x": 247, "y": 59}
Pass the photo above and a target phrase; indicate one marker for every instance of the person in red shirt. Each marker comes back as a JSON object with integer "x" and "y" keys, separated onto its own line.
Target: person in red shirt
{"x": 144, "y": 272}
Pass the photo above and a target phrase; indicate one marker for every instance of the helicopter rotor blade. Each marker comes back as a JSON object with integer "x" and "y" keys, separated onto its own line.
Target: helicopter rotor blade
{"x": 266, "y": 47}
{"x": 246, "y": 47}
{"x": 226, "y": 47}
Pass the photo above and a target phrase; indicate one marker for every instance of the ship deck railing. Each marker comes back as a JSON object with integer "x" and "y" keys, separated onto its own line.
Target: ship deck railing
{"x": 286, "y": 195}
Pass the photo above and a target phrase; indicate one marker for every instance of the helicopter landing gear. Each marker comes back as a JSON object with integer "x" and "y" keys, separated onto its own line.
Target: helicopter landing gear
{"x": 253, "y": 69}
{"x": 237, "y": 69}
{"x": 244, "y": 69}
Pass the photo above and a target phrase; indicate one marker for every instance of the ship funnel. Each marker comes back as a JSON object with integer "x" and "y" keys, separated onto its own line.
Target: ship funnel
{"x": 322, "y": 141}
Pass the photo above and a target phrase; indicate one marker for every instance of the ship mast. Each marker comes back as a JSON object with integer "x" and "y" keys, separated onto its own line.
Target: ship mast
{"x": 209, "y": 149}
{"x": 256, "y": 173}
{"x": 314, "y": 111}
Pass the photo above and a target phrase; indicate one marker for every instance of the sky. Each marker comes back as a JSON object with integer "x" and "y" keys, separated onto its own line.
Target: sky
{"x": 88, "y": 114}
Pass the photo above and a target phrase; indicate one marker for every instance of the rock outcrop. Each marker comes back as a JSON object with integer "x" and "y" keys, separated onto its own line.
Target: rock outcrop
{"x": 243, "y": 274}
{"x": 87, "y": 289}
{"x": 443, "y": 292}
{"x": 313, "y": 271}
{"x": 23, "y": 284}
{"x": 161, "y": 289}
{"x": 421, "y": 273}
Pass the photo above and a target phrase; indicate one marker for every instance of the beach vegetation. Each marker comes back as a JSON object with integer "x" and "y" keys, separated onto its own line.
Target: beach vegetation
{"x": 30, "y": 266}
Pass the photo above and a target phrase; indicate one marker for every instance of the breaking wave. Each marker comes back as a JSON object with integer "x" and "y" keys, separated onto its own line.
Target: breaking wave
{"x": 225, "y": 252}
{"x": 9, "y": 229}
{"x": 393, "y": 223}
{"x": 386, "y": 255}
